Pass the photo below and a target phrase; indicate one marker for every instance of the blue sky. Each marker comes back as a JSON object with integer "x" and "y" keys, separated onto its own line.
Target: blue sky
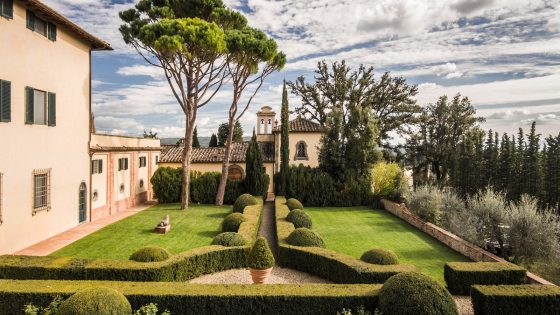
{"x": 503, "y": 54}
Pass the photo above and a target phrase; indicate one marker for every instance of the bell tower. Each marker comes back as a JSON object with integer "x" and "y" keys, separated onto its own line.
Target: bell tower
{"x": 265, "y": 124}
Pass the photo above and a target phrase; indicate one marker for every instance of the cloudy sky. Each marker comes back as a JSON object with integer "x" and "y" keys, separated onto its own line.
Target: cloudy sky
{"x": 503, "y": 54}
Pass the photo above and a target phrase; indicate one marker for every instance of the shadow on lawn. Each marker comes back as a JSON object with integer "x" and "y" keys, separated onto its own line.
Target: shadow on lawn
{"x": 216, "y": 215}
{"x": 208, "y": 233}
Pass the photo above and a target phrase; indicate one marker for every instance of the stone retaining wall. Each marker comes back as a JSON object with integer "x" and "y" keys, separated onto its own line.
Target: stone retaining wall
{"x": 451, "y": 240}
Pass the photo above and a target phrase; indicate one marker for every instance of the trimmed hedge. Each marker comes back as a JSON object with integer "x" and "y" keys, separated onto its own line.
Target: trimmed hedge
{"x": 305, "y": 237}
{"x": 516, "y": 299}
{"x": 180, "y": 267}
{"x": 232, "y": 222}
{"x": 380, "y": 256}
{"x": 325, "y": 263}
{"x": 99, "y": 301}
{"x": 260, "y": 256}
{"x": 300, "y": 219}
{"x": 460, "y": 276}
{"x": 229, "y": 239}
{"x": 189, "y": 298}
{"x": 244, "y": 201}
{"x": 293, "y": 204}
{"x": 412, "y": 293}
{"x": 150, "y": 254}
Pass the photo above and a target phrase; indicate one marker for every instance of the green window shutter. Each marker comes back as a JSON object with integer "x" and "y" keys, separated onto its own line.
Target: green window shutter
{"x": 29, "y": 106}
{"x": 52, "y": 32}
{"x": 125, "y": 164}
{"x": 5, "y": 101}
{"x": 52, "y": 109}
{"x": 30, "y": 20}
{"x": 8, "y": 8}
{"x": 100, "y": 166}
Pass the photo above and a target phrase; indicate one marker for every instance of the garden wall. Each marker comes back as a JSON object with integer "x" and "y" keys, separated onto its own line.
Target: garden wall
{"x": 451, "y": 240}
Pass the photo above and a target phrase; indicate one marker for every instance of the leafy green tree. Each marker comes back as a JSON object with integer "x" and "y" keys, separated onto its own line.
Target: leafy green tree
{"x": 195, "y": 142}
{"x": 255, "y": 177}
{"x": 213, "y": 141}
{"x": 223, "y": 129}
{"x": 284, "y": 177}
{"x": 186, "y": 40}
{"x": 150, "y": 134}
{"x": 249, "y": 48}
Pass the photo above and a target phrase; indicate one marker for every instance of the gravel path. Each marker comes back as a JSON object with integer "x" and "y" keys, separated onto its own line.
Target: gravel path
{"x": 241, "y": 276}
{"x": 464, "y": 304}
{"x": 267, "y": 228}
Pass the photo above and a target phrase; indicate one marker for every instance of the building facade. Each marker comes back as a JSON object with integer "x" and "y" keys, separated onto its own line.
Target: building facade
{"x": 45, "y": 93}
{"x": 304, "y": 140}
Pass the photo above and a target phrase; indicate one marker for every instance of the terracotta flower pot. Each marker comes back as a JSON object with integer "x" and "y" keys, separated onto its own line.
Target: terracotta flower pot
{"x": 260, "y": 275}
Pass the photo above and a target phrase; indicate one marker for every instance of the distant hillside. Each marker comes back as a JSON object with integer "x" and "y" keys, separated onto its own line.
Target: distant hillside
{"x": 204, "y": 141}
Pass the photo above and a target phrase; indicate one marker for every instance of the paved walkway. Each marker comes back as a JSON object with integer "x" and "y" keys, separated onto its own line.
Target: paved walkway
{"x": 59, "y": 241}
{"x": 267, "y": 228}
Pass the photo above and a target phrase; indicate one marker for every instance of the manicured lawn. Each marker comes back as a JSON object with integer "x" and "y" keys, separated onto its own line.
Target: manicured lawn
{"x": 193, "y": 228}
{"x": 355, "y": 230}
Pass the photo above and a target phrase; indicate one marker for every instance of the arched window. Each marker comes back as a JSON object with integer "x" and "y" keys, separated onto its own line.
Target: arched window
{"x": 82, "y": 202}
{"x": 235, "y": 172}
{"x": 301, "y": 151}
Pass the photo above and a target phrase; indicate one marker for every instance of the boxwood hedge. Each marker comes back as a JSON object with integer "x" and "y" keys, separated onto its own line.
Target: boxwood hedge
{"x": 516, "y": 299}
{"x": 187, "y": 298}
{"x": 325, "y": 263}
{"x": 460, "y": 276}
{"x": 180, "y": 267}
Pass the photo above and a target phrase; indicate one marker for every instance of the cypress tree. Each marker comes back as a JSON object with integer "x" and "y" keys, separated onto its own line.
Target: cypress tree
{"x": 505, "y": 165}
{"x": 255, "y": 175}
{"x": 213, "y": 141}
{"x": 195, "y": 142}
{"x": 531, "y": 164}
{"x": 551, "y": 167}
{"x": 284, "y": 145}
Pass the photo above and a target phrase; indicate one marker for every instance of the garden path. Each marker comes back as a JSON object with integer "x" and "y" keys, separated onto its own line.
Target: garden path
{"x": 267, "y": 228}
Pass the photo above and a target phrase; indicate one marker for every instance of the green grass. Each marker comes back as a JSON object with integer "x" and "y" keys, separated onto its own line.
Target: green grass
{"x": 190, "y": 229}
{"x": 355, "y": 230}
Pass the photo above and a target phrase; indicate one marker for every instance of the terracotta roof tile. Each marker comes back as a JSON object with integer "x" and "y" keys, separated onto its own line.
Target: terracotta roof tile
{"x": 302, "y": 125}
{"x": 174, "y": 153}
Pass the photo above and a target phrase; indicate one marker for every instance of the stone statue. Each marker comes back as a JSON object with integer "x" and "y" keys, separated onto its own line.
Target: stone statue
{"x": 164, "y": 222}
{"x": 164, "y": 226}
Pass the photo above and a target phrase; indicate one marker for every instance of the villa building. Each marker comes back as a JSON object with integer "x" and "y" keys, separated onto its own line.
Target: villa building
{"x": 48, "y": 149}
{"x": 304, "y": 141}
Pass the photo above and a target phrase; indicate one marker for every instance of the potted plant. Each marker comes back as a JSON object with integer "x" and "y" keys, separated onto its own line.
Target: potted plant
{"x": 260, "y": 261}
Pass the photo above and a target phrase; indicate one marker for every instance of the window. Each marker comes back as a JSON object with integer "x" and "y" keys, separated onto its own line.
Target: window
{"x": 1, "y": 193}
{"x": 123, "y": 164}
{"x": 157, "y": 159}
{"x": 96, "y": 167}
{"x": 235, "y": 172}
{"x": 40, "y": 107}
{"x": 301, "y": 151}
{"x": 7, "y": 8}
{"x": 41, "y": 190}
{"x": 5, "y": 101}
{"x": 142, "y": 161}
{"x": 41, "y": 26}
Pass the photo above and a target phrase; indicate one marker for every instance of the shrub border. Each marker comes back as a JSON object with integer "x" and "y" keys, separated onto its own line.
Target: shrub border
{"x": 515, "y": 299}
{"x": 181, "y": 267}
{"x": 325, "y": 263}
{"x": 202, "y": 298}
{"x": 461, "y": 276}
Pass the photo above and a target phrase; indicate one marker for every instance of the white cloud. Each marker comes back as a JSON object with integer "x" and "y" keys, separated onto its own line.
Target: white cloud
{"x": 142, "y": 70}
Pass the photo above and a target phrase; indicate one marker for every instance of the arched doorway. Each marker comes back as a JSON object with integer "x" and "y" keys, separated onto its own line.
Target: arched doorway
{"x": 235, "y": 172}
{"x": 82, "y": 201}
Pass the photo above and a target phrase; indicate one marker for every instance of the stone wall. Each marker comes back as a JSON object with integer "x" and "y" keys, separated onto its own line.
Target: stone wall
{"x": 451, "y": 240}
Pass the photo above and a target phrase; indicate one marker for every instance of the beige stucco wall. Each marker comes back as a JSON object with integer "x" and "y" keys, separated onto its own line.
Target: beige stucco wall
{"x": 313, "y": 141}
{"x": 103, "y": 140}
{"x": 99, "y": 181}
{"x": 62, "y": 67}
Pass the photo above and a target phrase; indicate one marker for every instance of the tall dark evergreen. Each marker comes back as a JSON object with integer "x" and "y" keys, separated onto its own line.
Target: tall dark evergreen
{"x": 255, "y": 177}
{"x": 213, "y": 141}
{"x": 531, "y": 164}
{"x": 195, "y": 142}
{"x": 551, "y": 169}
{"x": 284, "y": 145}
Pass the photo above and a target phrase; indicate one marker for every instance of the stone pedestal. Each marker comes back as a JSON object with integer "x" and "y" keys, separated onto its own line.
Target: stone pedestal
{"x": 162, "y": 229}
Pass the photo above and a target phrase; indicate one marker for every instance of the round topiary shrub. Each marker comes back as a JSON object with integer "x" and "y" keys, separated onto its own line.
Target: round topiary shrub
{"x": 229, "y": 239}
{"x": 305, "y": 237}
{"x": 299, "y": 218}
{"x": 100, "y": 301}
{"x": 243, "y": 201}
{"x": 293, "y": 203}
{"x": 150, "y": 254}
{"x": 232, "y": 222}
{"x": 379, "y": 256}
{"x": 415, "y": 294}
{"x": 260, "y": 256}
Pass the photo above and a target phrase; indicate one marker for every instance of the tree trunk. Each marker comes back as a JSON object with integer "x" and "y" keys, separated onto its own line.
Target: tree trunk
{"x": 225, "y": 163}
{"x": 187, "y": 154}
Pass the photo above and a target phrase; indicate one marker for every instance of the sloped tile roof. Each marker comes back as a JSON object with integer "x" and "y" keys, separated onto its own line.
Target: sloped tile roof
{"x": 301, "y": 124}
{"x": 174, "y": 153}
